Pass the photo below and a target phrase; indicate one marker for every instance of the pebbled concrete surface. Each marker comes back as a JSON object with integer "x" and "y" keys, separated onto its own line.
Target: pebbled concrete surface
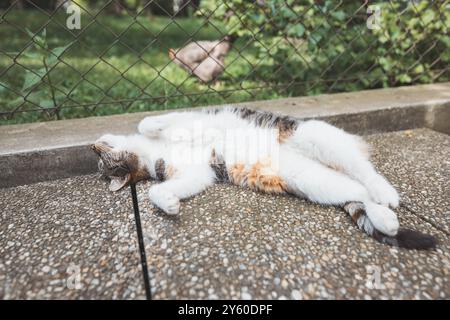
{"x": 68, "y": 239}
{"x": 228, "y": 242}
{"x": 247, "y": 245}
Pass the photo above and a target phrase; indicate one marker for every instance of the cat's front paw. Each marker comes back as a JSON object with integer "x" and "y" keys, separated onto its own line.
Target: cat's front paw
{"x": 166, "y": 201}
{"x": 382, "y": 192}
{"x": 152, "y": 126}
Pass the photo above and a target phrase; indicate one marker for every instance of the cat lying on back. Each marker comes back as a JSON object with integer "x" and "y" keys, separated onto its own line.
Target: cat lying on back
{"x": 189, "y": 151}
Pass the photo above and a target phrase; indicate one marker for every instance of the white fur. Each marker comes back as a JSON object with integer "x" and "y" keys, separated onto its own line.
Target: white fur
{"x": 383, "y": 218}
{"x": 185, "y": 184}
{"x": 319, "y": 161}
{"x": 336, "y": 148}
{"x": 164, "y": 199}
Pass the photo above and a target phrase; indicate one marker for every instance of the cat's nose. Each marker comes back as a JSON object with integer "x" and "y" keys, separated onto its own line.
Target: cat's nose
{"x": 100, "y": 147}
{"x": 95, "y": 149}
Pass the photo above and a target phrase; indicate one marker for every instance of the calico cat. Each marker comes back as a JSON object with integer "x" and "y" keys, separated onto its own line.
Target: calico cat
{"x": 189, "y": 151}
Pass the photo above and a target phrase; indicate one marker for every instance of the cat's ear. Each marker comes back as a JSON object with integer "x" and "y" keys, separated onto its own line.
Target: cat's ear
{"x": 118, "y": 183}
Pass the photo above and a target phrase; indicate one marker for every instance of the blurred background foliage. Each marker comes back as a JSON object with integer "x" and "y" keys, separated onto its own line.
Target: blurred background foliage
{"x": 318, "y": 41}
{"x": 117, "y": 62}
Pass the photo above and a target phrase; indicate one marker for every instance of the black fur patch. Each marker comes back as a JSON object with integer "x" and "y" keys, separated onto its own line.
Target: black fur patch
{"x": 217, "y": 163}
{"x": 260, "y": 118}
{"x": 267, "y": 119}
{"x": 212, "y": 111}
{"x": 411, "y": 239}
{"x": 160, "y": 169}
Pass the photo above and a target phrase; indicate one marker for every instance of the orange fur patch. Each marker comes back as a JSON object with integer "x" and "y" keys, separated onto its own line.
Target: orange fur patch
{"x": 272, "y": 184}
{"x": 237, "y": 174}
{"x": 260, "y": 177}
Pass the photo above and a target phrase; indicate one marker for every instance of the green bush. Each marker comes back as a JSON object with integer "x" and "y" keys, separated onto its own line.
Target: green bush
{"x": 321, "y": 46}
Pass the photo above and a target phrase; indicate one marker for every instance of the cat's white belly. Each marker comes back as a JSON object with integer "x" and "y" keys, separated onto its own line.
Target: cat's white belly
{"x": 238, "y": 144}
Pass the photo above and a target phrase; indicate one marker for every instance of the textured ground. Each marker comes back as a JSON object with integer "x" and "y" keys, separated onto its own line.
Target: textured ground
{"x": 73, "y": 239}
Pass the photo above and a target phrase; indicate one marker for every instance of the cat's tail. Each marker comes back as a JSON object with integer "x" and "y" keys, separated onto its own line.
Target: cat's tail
{"x": 405, "y": 238}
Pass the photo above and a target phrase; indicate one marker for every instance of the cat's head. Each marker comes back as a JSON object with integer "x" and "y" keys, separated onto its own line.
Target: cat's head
{"x": 116, "y": 162}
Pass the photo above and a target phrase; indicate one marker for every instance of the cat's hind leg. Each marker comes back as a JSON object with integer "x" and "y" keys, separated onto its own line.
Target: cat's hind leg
{"x": 343, "y": 152}
{"x": 318, "y": 183}
{"x": 326, "y": 186}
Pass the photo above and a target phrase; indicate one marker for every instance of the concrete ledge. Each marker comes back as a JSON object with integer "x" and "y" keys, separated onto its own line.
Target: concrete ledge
{"x": 58, "y": 149}
{"x": 35, "y": 166}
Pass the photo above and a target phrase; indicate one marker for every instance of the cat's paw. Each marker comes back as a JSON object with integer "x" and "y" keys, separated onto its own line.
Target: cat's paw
{"x": 152, "y": 126}
{"x": 382, "y": 192}
{"x": 383, "y": 218}
{"x": 164, "y": 200}
{"x": 111, "y": 140}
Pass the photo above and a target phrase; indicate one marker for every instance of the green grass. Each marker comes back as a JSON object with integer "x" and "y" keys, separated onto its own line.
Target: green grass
{"x": 116, "y": 64}
{"x": 152, "y": 71}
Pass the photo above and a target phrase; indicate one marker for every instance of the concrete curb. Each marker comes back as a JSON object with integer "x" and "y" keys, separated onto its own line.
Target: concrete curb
{"x": 36, "y": 152}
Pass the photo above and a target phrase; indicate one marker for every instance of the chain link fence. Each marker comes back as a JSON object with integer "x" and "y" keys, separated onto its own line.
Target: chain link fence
{"x": 68, "y": 59}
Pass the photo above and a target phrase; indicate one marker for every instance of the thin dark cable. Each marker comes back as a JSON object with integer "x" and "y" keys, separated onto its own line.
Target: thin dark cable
{"x": 137, "y": 218}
